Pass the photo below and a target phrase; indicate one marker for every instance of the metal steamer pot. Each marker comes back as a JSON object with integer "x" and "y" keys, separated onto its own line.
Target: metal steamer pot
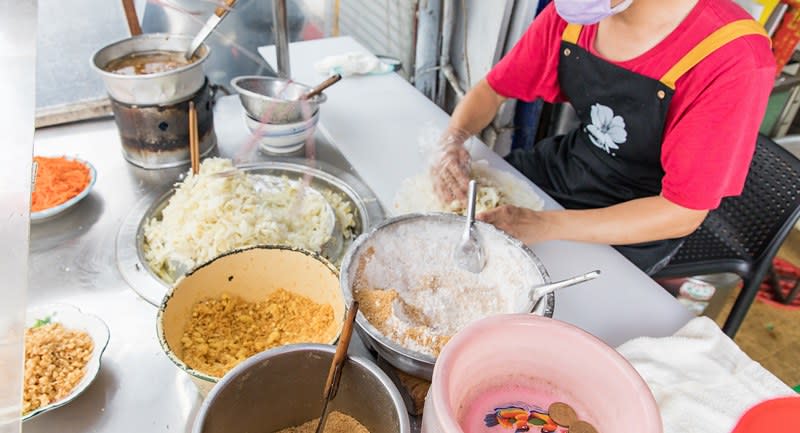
{"x": 406, "y": 360}
{"x": 160, "y": 88}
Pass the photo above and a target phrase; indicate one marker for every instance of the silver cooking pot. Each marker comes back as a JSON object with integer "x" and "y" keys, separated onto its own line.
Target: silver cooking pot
{"x": 406, "y": 360}
{"x": 283, "y": 387}
{"x": 151, "y": 89}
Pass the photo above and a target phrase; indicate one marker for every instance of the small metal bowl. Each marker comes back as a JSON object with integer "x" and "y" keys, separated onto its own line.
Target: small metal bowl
{"x": 406, "y": 360}
{"x": 276, "y": 100}
{"x": 282, "y": 388}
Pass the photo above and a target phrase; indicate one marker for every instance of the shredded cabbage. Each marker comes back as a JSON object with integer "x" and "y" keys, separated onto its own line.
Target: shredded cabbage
{"x": 209, "y": 215}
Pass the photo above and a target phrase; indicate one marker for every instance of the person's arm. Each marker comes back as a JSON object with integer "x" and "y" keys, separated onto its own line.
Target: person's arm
{"x": 451, "y": 171}
{"x": 636, "y": 221}
{"x": 476, "y": 110}
{"x": 528, "y": 72}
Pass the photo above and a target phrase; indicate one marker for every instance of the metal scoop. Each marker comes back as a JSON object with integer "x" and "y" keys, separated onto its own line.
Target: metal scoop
{"x": 469, "y": 253}
{"x": 537, "y": 293}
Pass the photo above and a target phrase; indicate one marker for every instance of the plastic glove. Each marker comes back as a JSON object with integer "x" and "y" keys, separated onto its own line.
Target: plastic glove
{"x": 451, "y": 170}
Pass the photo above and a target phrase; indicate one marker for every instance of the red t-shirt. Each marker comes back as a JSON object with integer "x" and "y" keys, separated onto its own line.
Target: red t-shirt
{"x": 714, "y": 116}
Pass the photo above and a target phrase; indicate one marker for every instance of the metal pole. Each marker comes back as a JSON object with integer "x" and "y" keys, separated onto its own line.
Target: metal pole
{"x": 280, "y": 29}
{"x": 17, "y": 82}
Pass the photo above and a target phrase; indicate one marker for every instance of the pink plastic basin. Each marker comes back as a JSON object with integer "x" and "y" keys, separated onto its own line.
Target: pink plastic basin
{"x": 553, "y": 360}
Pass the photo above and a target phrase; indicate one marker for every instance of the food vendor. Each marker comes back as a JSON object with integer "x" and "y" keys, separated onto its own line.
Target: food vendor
{"x": 670, "y": 96}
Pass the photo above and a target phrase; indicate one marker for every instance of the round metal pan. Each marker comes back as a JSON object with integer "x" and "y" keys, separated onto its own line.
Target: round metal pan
{"x": 130, "y": 240}
{"x": 411, "y": 362}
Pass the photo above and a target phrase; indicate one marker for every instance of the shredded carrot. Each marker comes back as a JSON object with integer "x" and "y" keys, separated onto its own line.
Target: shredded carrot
{"x": 57, "y": 180}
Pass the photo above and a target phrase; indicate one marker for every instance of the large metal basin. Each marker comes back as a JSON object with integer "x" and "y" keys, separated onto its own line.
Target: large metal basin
{"x": 130, "y": 240}
{"x": 151, "y": 89}
{"x": 416, "y": 363}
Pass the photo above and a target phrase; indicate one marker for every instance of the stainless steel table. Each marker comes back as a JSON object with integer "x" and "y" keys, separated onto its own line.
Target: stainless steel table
{"x": 73, "y": 261}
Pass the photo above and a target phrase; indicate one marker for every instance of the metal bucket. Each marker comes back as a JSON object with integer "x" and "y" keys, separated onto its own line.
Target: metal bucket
{"x": 283, "y": 387}
{"x": 157, "y": 88}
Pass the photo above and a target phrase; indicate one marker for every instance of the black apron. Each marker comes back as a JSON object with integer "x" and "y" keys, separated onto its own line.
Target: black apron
{"x": 615, "y": 154}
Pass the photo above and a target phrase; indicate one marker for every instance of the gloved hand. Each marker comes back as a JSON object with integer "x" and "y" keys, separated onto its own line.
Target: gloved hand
{"x": 451, "y": 169}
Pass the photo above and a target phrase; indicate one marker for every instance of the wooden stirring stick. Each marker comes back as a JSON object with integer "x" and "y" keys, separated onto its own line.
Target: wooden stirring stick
{"x": 133, "y": 19}
{"x": 335, "y": 372}
{"x": 194, "y": 141}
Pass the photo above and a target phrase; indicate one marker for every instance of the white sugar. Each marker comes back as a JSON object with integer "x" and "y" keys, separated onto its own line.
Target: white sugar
{"x": 416, "y": 260}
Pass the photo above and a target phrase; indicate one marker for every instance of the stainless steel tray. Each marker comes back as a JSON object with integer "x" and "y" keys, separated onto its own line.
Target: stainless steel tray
{"x": 130, "y": 239}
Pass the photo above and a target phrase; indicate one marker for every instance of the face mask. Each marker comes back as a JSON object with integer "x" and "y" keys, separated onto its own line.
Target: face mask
{"x": 588, "y": 11}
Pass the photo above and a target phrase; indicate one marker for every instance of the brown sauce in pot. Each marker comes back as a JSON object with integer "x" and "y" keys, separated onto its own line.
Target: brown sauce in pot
{"x": 148, "y": 62}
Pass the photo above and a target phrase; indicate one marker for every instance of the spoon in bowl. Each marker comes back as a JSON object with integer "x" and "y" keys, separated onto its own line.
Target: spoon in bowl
{"x": 335, "y": 372}
{"x": 469, "y": 254}
{"x": 537, "y": 293}
{"x": 333, "y": 79}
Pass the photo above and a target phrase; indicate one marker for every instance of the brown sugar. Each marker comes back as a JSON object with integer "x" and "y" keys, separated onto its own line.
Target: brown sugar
{"x": 224, "y": 331}
{"x": 337, "y": 423}
{"x": 378, "y": 306}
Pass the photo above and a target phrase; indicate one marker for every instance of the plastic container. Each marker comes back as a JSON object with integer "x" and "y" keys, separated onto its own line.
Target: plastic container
{"x": 564, "y": 362}
{"x": 703, "y": 294}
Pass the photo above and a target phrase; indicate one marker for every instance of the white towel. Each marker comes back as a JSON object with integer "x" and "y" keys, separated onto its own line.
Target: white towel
{"x": 702, "y": 381}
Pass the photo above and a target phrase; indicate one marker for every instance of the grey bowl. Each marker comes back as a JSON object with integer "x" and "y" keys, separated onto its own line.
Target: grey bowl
{"x": 406, "y": 360}
{"x": 283, "y": 387}
{"x": 276, "y": 100}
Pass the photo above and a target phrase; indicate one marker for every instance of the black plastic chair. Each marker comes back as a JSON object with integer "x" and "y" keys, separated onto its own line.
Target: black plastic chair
{"x": 744, "y": 234}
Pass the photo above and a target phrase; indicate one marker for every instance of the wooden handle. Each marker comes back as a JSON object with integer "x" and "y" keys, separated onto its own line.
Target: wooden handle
{"x": 130, "y": 15}
{"x": 220, "y": 11}
{"x": 333, "y": 79}
{"x": 341, "y": 351}
{"x": 194, "y": 145}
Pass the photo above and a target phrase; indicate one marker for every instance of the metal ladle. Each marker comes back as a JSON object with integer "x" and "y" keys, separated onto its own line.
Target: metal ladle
{"x": 539, "y": 292}
{"x": 212, "y": 23}
{"x": 469, "y": 254}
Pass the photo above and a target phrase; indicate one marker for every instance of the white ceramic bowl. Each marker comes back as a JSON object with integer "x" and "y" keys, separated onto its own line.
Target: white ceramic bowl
{"x": 284, "y": 138}
{"x": 71, "y": 318}
{"x": 50, "y": 213}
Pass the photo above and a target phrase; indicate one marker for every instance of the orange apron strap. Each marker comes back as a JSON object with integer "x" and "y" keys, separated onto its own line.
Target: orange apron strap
{"x": 571, "y": 33}
{"x": 719, "y": 38}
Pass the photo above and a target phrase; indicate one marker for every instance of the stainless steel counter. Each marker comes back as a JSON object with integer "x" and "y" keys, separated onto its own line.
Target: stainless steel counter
{"x": 72, "y": 260}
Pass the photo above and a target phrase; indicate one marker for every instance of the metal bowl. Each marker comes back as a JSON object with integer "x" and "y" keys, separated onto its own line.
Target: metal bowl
{"x": 412, "y": 362}
{"x": 283, "y": 387}
{"x": 130, "y": 240}
{"x": 276, "y": 100}
{"x": 151, "y": 89}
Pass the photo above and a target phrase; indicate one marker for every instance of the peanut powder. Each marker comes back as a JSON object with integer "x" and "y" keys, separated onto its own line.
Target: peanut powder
{"x": 223, "y": 332}
{"x": 55, "y": 361}
{"x": 337, "y": 423}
